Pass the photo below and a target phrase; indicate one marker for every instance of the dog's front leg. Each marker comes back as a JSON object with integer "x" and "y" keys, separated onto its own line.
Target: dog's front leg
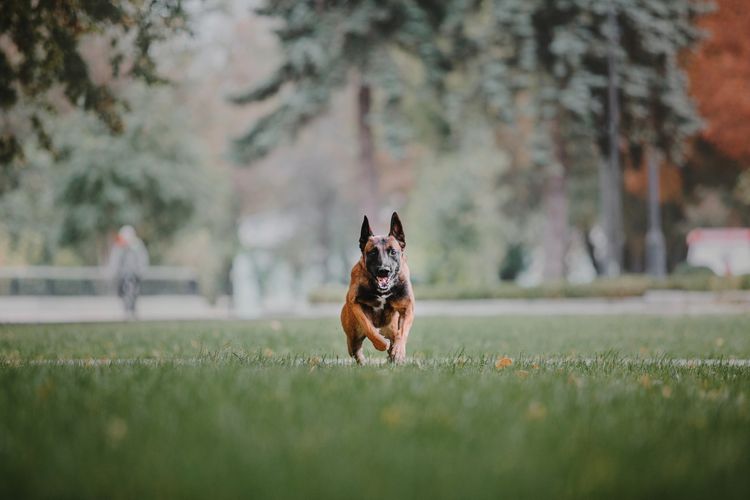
{"x": 356, "y": 349}
{"x": 397, "y": 353}
{"x": 378, "y": 341}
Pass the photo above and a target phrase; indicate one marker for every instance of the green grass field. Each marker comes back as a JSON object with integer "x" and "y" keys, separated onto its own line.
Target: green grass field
{"x": 590, "y": 407}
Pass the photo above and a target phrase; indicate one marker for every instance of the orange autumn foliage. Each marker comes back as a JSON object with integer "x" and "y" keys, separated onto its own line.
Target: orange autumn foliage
{"x": 635, "y": 181}
{"x": 719, "y": 74}
{"x": 635, "y": 178}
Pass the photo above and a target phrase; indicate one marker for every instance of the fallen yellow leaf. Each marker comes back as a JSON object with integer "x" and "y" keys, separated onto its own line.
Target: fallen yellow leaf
{"x": 315, "y": 360}
{"x": 503, "y": 362}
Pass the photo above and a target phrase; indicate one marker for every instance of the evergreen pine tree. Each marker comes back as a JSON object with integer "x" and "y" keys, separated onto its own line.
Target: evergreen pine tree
{"x": 489, "y": 52}
{"x": 326, "y": 44}
{"x": 556, "y": 51}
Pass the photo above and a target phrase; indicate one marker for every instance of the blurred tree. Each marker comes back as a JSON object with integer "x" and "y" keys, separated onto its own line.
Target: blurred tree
{"x": 513, "y": 263}
{"x": 720, "y": 83}
{"x": 29, "y": 222}
{"x": 708, "y": 191}
{"x": 324, "y": 45}
{"x": 720, "y": 79}
{"x": 41, "y": 65}
{"x": 457, "y": 234}
{"x": 557, "y": 52}
{"x": 709, "y": 176}
{"x": 541, "y": 61}
{"x": 150, "y": 176}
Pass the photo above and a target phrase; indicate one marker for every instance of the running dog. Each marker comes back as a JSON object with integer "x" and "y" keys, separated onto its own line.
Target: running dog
{"x": 380, "y": 302}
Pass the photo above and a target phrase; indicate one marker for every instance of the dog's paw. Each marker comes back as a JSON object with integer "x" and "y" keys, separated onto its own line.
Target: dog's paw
{"x": 397, "y": 353}
{"x": 388, "y": 345}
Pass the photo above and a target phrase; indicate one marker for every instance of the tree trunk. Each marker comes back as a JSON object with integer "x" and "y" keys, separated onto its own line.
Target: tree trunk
{"x": 370, "y": 194}
{"x": 555, "y": 239}
{"x": 555, "y": 202}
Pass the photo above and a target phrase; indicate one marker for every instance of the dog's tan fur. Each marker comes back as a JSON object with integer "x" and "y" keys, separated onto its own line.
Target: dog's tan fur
{"x": 385, "y": 321}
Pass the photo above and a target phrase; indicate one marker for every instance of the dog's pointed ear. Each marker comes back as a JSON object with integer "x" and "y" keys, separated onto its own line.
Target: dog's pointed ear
{"x": 364, "y": 234}
{"x": 397, "y": 230}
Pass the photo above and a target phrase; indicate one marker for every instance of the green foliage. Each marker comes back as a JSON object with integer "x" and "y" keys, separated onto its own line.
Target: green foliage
{"x": 151, "y": 176}
{"x": 685, "y": 269}
{"x": 147, "y": 177}
{"x": 41, "y": 53}
{"x": 488, "y": 52}
{"x": 690, "y": 279}
{"x": 558, "y": 51}
{"x": 456, "y": 231}
{"x": 538, "y": 68}
{"x": 29, "y": 220}
{"x": 513, "y": 263}
{"x": 323, "y": 44}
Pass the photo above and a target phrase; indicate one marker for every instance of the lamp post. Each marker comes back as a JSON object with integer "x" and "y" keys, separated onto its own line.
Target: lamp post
{"x": 656, "y": 254}
{"x": 609, "y": 174}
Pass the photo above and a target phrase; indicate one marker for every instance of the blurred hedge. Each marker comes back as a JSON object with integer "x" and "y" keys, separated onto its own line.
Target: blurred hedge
{"x": 626, "y": 286}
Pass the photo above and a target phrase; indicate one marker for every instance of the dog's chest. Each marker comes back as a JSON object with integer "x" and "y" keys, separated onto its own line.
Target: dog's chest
{"x": 380, "y": 310}
{"x": 380, "y": 302}
{"x": 378, "y": 307}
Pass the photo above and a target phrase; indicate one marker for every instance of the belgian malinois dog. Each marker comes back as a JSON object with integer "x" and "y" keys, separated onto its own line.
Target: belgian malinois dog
{"x": 380, "y": 302}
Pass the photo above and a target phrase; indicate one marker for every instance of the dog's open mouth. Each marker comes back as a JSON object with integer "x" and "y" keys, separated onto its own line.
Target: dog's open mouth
{"x": 383, "y": 282}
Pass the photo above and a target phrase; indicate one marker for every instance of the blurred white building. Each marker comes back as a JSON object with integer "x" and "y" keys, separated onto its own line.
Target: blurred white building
{"x": 265, "y": 276}
{"x": 726, "y": 251}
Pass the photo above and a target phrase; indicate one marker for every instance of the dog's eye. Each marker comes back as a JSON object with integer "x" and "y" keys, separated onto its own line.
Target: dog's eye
{"x": 393, "y": 251}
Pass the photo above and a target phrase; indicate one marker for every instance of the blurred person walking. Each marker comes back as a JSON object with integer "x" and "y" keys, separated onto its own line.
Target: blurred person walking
{"x": 128, "y": 260}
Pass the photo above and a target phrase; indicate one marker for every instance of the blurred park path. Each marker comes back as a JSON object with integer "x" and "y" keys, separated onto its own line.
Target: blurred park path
{"x": 51, "y": 309}
{"x": 181, "y": 307}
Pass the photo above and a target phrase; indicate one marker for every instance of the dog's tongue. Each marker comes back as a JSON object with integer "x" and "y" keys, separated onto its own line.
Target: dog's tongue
{"x": 382, "y": 282}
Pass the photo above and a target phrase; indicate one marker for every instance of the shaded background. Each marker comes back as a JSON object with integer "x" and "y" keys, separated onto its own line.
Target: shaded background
{"x": 244, "y": 140}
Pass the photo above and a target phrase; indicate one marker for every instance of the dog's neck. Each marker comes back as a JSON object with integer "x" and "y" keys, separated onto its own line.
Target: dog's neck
{"x": 383, "y": 294}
